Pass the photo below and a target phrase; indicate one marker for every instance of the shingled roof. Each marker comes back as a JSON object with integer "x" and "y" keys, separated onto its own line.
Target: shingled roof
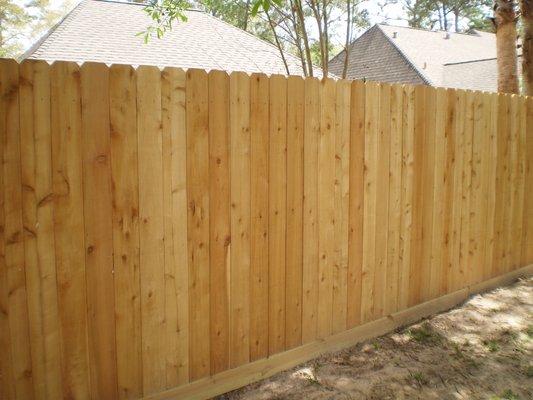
{"x": 105, "y": 31}
{"x": 407, "y": 55}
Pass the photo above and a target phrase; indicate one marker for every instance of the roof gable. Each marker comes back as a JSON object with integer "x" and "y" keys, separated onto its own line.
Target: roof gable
{"x": 374, "y": 57}
{"x": 104, "y": 31}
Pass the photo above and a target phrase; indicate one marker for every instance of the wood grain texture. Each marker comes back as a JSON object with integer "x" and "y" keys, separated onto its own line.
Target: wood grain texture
{"x": 125, "y": 186}
{"x": 259, "y": 154}
{"x": 38, "y": 220}
{"x": 295, "y": 188}
{"x": 356, "y": 203}
{"x": 67, "y": 156}
{"x": 240, "y": 219}
{"x": 198, "y": 222}
{"x": 97, "y": 197}
{"x": 151, "y": 228}
{"x": 310, "y": 211}
{"x": 277, "y": 213}
{"x": 219, "y": 218}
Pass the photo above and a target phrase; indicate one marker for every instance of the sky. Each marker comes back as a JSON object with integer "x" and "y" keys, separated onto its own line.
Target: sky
{"x": 392, "y": 13}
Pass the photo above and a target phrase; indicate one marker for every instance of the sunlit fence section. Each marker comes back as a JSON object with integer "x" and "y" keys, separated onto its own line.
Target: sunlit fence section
{"x": 159, "y": 228}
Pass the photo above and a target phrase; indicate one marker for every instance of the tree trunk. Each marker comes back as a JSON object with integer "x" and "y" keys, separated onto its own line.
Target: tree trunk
{"x": 526, "y": 8}
{"x": 305, "y": 38}
{"x": 278, "y": 43}
{"x": 347, "y": 45}
{"x": 505, "y": 23}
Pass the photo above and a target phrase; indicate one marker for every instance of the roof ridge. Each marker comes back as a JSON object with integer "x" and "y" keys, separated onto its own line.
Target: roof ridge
{"x": 433, "y": 31}
{"x": 424, "y": 76}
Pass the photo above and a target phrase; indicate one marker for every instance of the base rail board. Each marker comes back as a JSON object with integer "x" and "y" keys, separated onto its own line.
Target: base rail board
{"x": 232, "y": 379}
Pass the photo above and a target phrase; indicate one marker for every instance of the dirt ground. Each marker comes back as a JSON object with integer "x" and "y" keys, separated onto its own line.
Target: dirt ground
{"x": 481, "y": 350}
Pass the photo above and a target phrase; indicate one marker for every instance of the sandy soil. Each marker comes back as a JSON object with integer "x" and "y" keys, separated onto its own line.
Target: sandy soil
{"x": 481, "y": 350}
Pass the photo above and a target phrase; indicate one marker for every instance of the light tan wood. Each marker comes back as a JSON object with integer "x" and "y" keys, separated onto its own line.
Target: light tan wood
{"x": 151, "y": 228}
{"x": 356, "y": 203}
{"x": 125, "y": 186}
{"x": 395, "y": 200}
{"x": 198, "y": 222}
{"x": 406, "y": 196}
{"x": 17, "y": 305}
{"x": 527, "y": 239}
{"x": 69, "y": 225}
{"x": 162, "y": 229}
{"x": 382, "y": 201}
{"x": 99, "y": 233}
{"x": 173, "y": 119}
{"x": 277, "y": 196}
{"x": 262, "y": 369}
{"x": 326, "y": 207}
{"x": 310, "y": 211}
{"x": 219, "y": 218}
{"x": 259, "y": 148}
{"x": 240, "y": 219}
{"x": 36, "y": 170}
{"x": 295, "y": 187}
{"x": 369, "y": 195}
{"x": 341, "y": 215}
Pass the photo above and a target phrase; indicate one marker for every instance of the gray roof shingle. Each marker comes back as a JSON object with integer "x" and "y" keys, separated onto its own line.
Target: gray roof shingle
{"x": 458, "y": 60}
{"x": 105, "y": 31}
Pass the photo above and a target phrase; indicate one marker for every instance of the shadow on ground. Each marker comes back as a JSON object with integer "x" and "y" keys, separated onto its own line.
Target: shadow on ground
{"x": 481, "y": 350}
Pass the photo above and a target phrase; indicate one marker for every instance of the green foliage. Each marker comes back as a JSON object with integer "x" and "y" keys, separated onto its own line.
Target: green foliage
{"x": 458, "y": 15}
{"x": 424, "y": 334}
{"x": 163, "y": 13}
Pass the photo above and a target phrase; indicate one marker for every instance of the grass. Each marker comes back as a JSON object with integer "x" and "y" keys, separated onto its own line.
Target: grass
{"x": 419, "y": 378}
{"x": 492, "y": 345}
{"x": 508, "y": 394}
{"x": 424, "y": 334}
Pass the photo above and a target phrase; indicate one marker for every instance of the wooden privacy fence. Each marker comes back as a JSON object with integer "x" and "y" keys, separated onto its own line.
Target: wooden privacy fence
{"x": 161, "y": 227}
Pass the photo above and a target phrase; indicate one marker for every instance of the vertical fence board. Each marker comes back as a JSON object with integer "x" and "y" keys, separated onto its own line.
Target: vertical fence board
{"x": 219, "y": 217}
{"x": 36, "y": 153}
{"x": 14, "y": 232}
{"x": 428, "y": 182}
{"x": 369, "y": 193}
{"x": 342, "y": 182}
{"x": 240, "y": 219}
{"x": 295, "y": 167}
{"x": 439, "y": 193}
{"x": 259, "y": 145}
{"x": 151, "y": 228}
{"x": 125, "y": 186}
{"x": 69, "y": 227}
{"x": 395, "y": 182}
{"x": 382, "y": 201}
{"x": 356, "y": 203}
{"x": 175, "y": 225}
{"x": 99, "y": 232}
{"x": 277, "y": 213}
{"x": 407, "y": 132}
{"x": 198, "y": 221}
{"x": 527, "y": 239}
{"x": 310, "y": 211}
{"x": 326, "y": 207}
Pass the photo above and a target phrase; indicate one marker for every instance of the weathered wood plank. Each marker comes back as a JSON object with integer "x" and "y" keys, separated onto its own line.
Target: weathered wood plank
{"x": 219, "y": 218}
{"x": 240, "y": 219}
{"x": 98, "y": 229}
{"x": 259, "y": 146}
{"x": 198, "y": 222}
{"x": 356, "y": 203}
{"x": 151, "y": 228}
{"x": 125, "y": 187}
{"x": 295, "y": 176}
{"x": 277, "y": 216}
{"x": 69, "y": 227}
{"x": 310, "y": 213}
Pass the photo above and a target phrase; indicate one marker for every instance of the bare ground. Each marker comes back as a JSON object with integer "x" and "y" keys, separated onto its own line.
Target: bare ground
{"x": 481, "y": 350}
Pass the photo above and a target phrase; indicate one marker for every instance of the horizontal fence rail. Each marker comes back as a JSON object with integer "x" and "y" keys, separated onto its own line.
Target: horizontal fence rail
{"x": 160, "y": 227}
